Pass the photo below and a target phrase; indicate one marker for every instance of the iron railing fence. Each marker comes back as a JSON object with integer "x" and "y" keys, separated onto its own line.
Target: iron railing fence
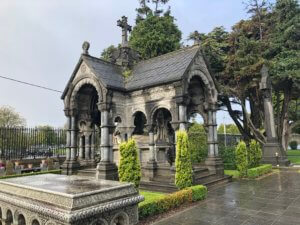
{"x": 18, "y": 143}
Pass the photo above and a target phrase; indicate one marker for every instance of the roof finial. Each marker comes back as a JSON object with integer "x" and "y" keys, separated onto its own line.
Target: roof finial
{"x": 85, "y": 48}
{"x": 125, "y": 27}
{"x": 196, "y": 37}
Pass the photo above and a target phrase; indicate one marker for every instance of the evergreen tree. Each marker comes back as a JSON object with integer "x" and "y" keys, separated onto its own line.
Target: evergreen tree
{"x": 155, "y": 35}
{"x": 183, "y": 163}
{"x": 129, "y": 169}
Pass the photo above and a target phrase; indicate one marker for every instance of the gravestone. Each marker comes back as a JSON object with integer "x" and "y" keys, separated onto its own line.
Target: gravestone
{"x": 272, "y": 151}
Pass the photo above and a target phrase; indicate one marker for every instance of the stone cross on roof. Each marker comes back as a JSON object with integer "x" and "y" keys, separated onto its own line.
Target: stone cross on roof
{"x": 125, "y": 27}
{"x": 196, "y": 36}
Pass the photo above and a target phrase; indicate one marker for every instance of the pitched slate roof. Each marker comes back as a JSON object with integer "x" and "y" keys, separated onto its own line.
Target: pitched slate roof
{"x": 159, "y": 70}
{"x": 162, "y": 69}
{"x": 110, "y": 74}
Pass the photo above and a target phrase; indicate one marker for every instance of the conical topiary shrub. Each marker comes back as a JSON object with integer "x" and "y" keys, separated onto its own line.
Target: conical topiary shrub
{"x": 184, "y": 170}
{"x": 254, "y": 154}
{"x": 130, "y": 168}
{"x": 241, "y": 158}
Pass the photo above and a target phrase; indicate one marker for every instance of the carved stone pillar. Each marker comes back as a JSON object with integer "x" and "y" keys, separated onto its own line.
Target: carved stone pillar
{"x": 71, "y": 164}
{"x": 68, "y": 144}
{"x": 93, "y": 147}
{"x": 81, "y": 148}
{"x": 213, "y": 162}
{"x": 87, "y": 147}
{"x": 182, "y": 117}
{"x": 150, "y": 169}
{"x": 106, "y": 169}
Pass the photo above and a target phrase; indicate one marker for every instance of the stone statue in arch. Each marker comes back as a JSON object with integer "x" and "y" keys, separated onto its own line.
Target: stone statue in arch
{"x": 162, "y": 127}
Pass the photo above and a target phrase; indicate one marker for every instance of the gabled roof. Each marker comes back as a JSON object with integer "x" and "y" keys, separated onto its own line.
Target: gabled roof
{"x": 155, "y": 71}
{"x": 162, "y": 69}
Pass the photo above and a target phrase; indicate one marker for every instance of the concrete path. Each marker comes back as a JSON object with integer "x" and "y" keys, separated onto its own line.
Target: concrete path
{"x": 273, "y": 200}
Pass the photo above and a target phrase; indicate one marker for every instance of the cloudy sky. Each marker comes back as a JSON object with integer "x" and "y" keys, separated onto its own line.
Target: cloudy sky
{"x": 40, "y": 42}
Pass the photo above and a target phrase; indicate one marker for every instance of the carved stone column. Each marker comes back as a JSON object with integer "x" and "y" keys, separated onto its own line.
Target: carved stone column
{"x": 213, "y": 161}
{"x": 93, "y": 147}
{"x": 182, "y": 117}
{"x": 87, "y": 147}
{"x": 71, "y": 165}
{"x": 81, "y": 148}
{"x": 106, "y": 169}
{"x": 68, "y": 144}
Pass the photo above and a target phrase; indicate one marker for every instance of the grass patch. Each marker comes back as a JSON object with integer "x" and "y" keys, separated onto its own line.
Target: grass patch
{"x": 150, "y": 196}
{"x": 234, "y": 173}
{"x": 294, "y": 156}
{"x": 31, "y": 174}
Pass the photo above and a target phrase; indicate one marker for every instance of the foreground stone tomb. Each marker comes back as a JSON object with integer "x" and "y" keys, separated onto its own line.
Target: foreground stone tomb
{"x": 58, "y": 199}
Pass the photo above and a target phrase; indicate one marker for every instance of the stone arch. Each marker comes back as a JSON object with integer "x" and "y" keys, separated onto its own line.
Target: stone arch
{"x": 120, "y": 218}
{"x": 157, "y": 107}
{"x": 99, "y": 222}
{"x": 9, "y": 217}
{"x": 210, "y": 89}
{"x": 21, "y": 219}
{"x": 35, "y": 222}
{"x": 71, "y": 97}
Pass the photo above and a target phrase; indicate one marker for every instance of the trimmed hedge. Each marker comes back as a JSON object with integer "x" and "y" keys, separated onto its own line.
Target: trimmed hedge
{"x": 254, "y": 154}
{"x": 31, "y": 174}
{"x": 293, "y": 145}
{"x": 259, "y": 171}
{"x": 241, "y": 158}
{"x": 228, "y": 156}
{"x": 171, "y": 201}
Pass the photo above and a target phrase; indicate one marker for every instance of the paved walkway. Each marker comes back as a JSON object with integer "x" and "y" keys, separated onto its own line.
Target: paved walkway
{"x": 273, "y": 200}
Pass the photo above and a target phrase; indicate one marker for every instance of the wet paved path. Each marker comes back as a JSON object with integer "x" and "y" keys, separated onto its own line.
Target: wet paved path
{"x": 273, "y": 200}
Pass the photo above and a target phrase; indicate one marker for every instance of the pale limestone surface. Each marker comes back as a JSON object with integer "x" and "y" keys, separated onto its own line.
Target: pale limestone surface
{"x": 59, "y": 199}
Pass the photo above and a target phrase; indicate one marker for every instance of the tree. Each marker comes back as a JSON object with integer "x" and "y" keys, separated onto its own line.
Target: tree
{"x": 129, "y": 169}
{"x": 183, "y": 163}
{"x": 107, "y": 52}
{"x": 155, "y": 35}
{"x": 145, "y": 9}
{"x": 230, "y": 129}
{"x": 197, "y": 142}
{"x": 10, "y": 118}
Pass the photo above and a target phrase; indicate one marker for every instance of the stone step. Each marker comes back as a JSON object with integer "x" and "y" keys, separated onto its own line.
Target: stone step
{"x": 217, "y": 182}
{"x": 87, "y": 172}
{"x": 158, "y": 186}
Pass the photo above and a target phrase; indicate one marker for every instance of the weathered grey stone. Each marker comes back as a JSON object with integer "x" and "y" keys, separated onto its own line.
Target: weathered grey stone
{"x": 58, "y": 199}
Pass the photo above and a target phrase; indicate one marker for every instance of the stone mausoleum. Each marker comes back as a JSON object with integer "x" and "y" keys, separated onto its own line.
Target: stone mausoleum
{"x": 148, "y": 100}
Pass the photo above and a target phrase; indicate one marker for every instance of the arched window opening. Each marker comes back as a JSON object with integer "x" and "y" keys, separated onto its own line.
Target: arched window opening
{"x": 197, "y": 138}
{"x": 35, "y": 222}
{"x": 9, "y": 218}
{"x": 21, "y": 220}
{"x": 139, "y": 123}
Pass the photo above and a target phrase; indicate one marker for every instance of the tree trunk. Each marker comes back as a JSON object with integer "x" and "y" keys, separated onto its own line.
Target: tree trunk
{"x": 284, "y": 118}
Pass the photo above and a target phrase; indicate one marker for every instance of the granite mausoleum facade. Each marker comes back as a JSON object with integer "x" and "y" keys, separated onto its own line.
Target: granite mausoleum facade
{"x": 146, "y": 99}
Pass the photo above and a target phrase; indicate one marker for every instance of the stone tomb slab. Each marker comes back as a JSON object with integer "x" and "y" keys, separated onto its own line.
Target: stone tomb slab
{"x": 53, "y": 199}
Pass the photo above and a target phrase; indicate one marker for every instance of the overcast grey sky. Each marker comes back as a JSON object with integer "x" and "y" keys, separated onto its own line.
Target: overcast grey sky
{"x": 40, "y": 42}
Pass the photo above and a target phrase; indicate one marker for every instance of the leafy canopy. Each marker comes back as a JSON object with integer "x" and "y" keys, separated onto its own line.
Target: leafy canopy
{"x": 154, "y": 36}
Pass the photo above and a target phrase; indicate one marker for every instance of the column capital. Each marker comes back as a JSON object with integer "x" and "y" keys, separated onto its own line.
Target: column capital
{"x": 175, "y": 125}
{"x": 103, "y": 106}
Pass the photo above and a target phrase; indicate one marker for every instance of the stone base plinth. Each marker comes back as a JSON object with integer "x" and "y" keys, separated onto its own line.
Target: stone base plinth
{"x": 70, "y": 167}
{"x": 107, "y": 171}
{"x": 269, "y": 155}
{"x": 149, "y": 171}
{"x": 215, "y": 165}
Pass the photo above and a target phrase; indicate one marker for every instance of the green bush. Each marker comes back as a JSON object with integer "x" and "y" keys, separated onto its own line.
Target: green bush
{"x": 259, "y": 171}
{"x": 184, "y": 170}
{"x": 254, "y": 154}
{"x": 171, "y": 201}
{"x": 241, "y": 158}
{"x": 129, "y": 169}
{"x": 197, "y": 142}
{"x": 228, "y": 156}
{"x": 293, "y": 145}
{"x": 199, "y": 192}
